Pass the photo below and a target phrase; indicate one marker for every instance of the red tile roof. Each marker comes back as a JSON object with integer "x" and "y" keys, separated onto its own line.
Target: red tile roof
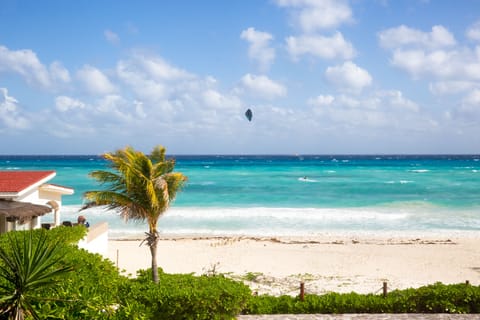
{"x": 16, "y": 181}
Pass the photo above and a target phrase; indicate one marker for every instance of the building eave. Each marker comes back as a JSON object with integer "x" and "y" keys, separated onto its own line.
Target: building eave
{"x": 57, "y": 189}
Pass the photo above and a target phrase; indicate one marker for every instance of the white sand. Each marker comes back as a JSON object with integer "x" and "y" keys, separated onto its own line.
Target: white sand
{"x": 339, "y": 264}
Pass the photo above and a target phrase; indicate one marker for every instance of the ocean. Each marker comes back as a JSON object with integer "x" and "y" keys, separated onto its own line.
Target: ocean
{"x": 298, "y": 195}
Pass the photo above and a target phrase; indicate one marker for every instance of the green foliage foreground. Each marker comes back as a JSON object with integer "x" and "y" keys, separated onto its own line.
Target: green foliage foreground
{"x": 96, "y": 290}
{"x": 436, "y": 298}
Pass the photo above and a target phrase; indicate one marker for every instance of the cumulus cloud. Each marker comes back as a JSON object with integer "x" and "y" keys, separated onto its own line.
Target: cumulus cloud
{"x": 451, "y": 87}
{"x": 320, "y": 46}
{"x": 26, "y": 64}
{"x": 216, "y": 100}
{"x": 348, "y": 77}
{"x": 403, "y": 36}
{"x": 443, "y": 64}
{"x": 469, "y": 108}
{"x": 95, "y": 81}
{"x": 64, "y": 103}
{"x": 262, "y": 86}
{"x": 59, "y": 73}
{"x": 152, "y": 78}
{"x": 10, "y": 115}
{"x": 259, "y": 49}
{"x": 111, "y": 37}
{"x": 314, "y": 15}
{"x": 433, "y": 54}
{"x": 321, "y": 100}
{"x": 381, "y": 109}
{"x": 161, "y": 70}
{"x": 396, "y": 99}
{"x": 473, "y": 32}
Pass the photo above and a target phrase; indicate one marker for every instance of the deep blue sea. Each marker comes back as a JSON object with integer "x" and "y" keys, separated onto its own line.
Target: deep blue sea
{"x": 294, "y": 195}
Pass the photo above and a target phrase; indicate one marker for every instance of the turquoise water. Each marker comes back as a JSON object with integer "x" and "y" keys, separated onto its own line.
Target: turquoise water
{"x": 295, "y": 195}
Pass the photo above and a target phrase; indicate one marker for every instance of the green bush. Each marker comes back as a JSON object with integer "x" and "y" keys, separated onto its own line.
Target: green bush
{"x": 185, "y": 296}
{"x": 436, "y": 298}
{"x": 89, "y": 292}
{"x": 96, "y": 290}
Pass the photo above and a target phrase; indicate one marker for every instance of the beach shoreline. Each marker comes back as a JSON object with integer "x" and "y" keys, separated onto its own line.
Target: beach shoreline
{"x": 328, "y": 263}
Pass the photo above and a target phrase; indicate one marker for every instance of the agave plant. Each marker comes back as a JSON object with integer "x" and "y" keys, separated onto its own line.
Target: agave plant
{"x": 27, "y": 266}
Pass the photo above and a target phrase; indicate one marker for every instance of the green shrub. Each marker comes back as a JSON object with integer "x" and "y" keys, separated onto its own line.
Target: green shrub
{"x": 89, "y": 292}
{"x": 436, "y": 298}
{"x": 96, "y": 290}
{"x": 185, "y": 296}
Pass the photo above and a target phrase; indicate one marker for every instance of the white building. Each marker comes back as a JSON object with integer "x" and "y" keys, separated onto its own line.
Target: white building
{"x": 30, "y": 187}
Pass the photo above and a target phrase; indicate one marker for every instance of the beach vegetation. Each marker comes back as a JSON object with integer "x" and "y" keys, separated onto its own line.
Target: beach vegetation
{"x": 96, "y": 289}
{"x": 435, "y": 298}
{"x": 27, "y": 266}
{"x": 186, "y": 296}
{"x": 141, "y": 187}
{"x": 89, "y": 291}
{"x": 252, "y": 276}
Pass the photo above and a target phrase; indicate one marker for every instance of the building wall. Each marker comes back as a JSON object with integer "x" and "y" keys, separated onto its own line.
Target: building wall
{"x": 96, "y": 240}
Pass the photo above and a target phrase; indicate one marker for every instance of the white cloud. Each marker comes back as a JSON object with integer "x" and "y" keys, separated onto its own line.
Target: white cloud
{"x": 64, "y": 103}
{"x": 259, "y": 49}
{"x": 139, "y": 109}
{"x": 321, "y": 100}
{"x": 381, "y": 109}
{"x": 95, "y": 81}
{"x": 213, "y": 98}
{"x": 451, "y": 87}
{"x": 396, "y": 99}
{"x": 320, "y": 46}
{"x": 263, "y": 87}
{"x": 26, "y": 64}
{"x": 473, "y": 99}
{"x": 469, "y": 108}
{"x": 111, "y": 37}
{"x": 153, "y": 79}
{"x": 442, "y": 64}
{"x": 159, "y": 69}
{"x": 59, "y": 73}
{"x": 313, "y": 15}
{"x": 348, "y": 77}
{"x": 115, "y": 106}
{"x": 473, "y": 32}
{"x": 433, "y": 54}
{"x": 9, "y": 113}
{"x": 403, "y": 36}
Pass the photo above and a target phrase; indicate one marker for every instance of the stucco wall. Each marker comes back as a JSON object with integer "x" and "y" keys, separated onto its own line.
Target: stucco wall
{"x": 96, "y": 240}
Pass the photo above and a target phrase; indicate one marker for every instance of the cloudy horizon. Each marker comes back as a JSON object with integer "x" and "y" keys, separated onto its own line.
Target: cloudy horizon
{"x": 321, "y": 77}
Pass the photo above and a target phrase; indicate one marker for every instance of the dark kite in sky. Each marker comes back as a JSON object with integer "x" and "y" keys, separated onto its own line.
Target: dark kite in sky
{"x": 249, "y": 114}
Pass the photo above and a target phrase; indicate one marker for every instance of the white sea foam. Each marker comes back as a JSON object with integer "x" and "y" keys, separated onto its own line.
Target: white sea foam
{"x": 400, "y": 181}
{"x": 419, "y": 170}
{"x": 262, "y": 221}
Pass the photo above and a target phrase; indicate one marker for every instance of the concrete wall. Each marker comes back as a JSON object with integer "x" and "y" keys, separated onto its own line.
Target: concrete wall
{"x": 96, "y": 240}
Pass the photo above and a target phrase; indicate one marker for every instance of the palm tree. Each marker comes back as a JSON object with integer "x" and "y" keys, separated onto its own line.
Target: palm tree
{"x": 141, "y": 187}
{"x": 28, "y": 265}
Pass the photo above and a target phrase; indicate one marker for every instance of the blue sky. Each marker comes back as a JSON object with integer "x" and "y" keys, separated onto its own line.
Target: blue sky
{"x": 321, "y": 76}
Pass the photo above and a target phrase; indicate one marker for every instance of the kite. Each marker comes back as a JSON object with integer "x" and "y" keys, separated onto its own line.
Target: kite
{"x": 249, "y": 114}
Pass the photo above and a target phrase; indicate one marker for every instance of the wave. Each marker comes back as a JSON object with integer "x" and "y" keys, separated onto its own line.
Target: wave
{"x": 305, "y": 179}
{"x": 419, "y": 170}
{"x": 401, "y": 216}
{"x": 400, "y": 181}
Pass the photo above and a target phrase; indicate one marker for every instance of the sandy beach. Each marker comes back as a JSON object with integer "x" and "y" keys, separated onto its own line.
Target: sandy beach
{"x": 277, "y": 265}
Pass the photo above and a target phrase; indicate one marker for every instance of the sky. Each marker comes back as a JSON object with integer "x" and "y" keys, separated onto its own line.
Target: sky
{"x": 320, "y": 76}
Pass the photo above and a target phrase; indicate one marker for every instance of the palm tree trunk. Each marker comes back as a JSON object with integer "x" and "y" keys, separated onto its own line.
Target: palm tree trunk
{"x": 153, "y": 251}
